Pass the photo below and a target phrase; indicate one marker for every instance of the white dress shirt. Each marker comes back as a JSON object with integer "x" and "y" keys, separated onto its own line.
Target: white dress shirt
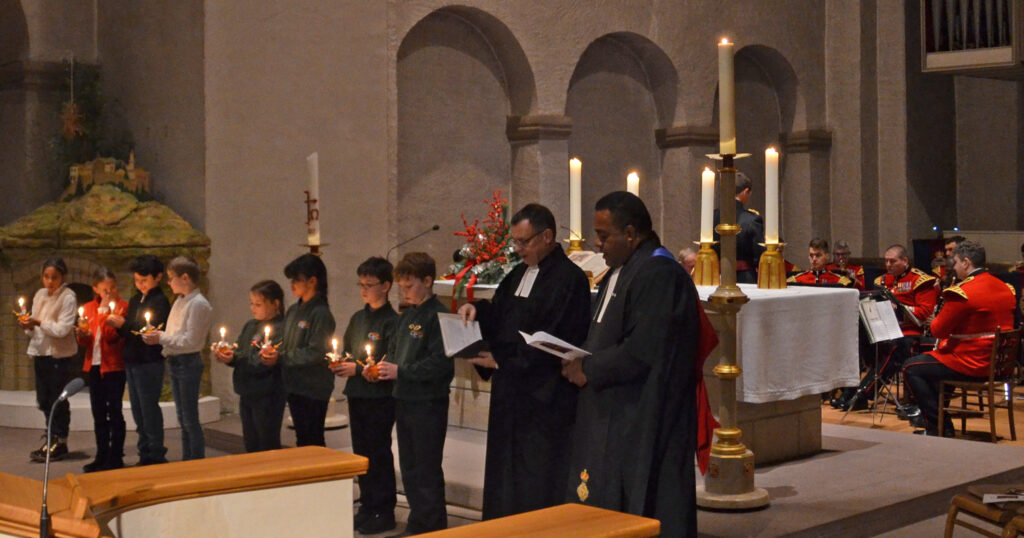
{"x": 187, "y": 325}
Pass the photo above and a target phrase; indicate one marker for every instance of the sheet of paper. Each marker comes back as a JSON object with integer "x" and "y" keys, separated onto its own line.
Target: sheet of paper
{"x": 554, "y": 345}
{"x": 460, "y": 339}
{"x": 990, "y": 498}
{"x": 880, "y": 320}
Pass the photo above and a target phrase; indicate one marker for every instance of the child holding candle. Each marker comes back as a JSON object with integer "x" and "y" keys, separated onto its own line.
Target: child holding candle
{"x": 51, "y": 326}
{"x": 259, "y": 386}
{"x": 104, "y": 364}
{"x": 422, "y": 374}
{"x": 144, "y": 364}
{"x": 182, "y": 340}
{"x": 370, "y": 404}
{"x": 308, "y": 327}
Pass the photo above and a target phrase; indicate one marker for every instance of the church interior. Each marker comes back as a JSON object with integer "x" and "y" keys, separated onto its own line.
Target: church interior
{"x": 200, "y": 115}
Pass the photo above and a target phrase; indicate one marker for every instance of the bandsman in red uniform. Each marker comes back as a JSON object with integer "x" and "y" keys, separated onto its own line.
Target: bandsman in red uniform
{"x": 944, "y": 272}
{"x": 819, "y": 274}
{"x": 972, "y": 310}
{"x": 913, "y": 289}
{"x": 841, "y": 264}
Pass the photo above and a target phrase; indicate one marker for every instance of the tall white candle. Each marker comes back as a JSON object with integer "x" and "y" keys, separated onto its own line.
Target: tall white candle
{"x": 575, "y": 198}
{"x": 771, "y": 196}
{"x": 707, "y": 205}
{"x": 633, "y": 183}
{"x": 726, "y": 99}
{"x": 313, "y": 203}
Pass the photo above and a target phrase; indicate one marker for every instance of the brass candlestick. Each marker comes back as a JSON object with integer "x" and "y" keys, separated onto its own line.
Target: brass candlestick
{"x": 729, "y": 484}
{"x": 771, "y": 269}
{"x": 575, "y": 245}
{"x": 705, "y": 273}
{"x": 314, "y": 249}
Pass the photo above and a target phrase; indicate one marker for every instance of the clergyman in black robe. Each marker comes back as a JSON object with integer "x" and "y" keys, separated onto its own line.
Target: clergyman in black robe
{"x": 636, "y": 422}
{"x": 532, "y": 406}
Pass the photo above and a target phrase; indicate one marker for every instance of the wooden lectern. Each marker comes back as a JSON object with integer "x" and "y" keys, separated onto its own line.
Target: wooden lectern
{"x": 291, "y": 491}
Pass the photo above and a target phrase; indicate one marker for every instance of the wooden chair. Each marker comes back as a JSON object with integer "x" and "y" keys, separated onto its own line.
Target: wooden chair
{"x": 1007, "y": 516}
{"x": 1001, "y": 376}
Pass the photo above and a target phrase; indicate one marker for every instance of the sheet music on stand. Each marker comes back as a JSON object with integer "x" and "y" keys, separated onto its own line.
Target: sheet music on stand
{"x": 879, "y": 320}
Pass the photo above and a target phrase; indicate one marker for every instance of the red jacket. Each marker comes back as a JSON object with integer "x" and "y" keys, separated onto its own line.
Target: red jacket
{"x": 977, "y": 305}
{"x": 820, "y": 277}
{"x": 111, "y": 359}
{"x": 853, "y": 272}
{"x": 917, "y": 290}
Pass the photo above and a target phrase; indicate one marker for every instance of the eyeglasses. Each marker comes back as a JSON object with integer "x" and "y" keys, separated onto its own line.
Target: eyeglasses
{"x": 368, "y": 286}
{"x": 520, "y": 243}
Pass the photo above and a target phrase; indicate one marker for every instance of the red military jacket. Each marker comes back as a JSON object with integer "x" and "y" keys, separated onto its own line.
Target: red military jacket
{"x": 855, "y": 272}
{"x": 917, "y": 290}
{"x": 973, "y": 307}
{"x": 820, "y": 277}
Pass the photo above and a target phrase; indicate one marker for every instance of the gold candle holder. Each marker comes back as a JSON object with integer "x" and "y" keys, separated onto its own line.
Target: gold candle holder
{"x": 706, "y": 272}
{"x": 771, "y": 269}
{"x": 575, "y": 245}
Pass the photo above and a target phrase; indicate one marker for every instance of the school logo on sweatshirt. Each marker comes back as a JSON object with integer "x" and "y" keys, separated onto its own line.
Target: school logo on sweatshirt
{"x": 373, "y": 337}
{"x": 415, "y": 331}
{"x": 303, "y": 324}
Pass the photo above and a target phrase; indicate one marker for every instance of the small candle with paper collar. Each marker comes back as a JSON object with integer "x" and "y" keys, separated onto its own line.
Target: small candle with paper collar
{"x": 112, "y": 306}
{"x": 266, "y": 335}
{"x": 147, "y": 315}
{"x": 21, "y": 305}
{"x": 369, "y": 352}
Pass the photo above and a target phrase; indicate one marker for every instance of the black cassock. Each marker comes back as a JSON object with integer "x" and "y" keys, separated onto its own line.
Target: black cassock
{"x": 636, "y": 421}
{"x": 532, "y": 406}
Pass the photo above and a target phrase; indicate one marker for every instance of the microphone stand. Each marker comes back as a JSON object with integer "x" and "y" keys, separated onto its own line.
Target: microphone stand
{"x": 44, "y": 513}
{"x": 433, "y": 228}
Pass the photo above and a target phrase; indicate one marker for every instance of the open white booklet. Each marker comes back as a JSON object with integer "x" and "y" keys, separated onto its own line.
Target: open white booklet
{"x": 555, "y": 346}
{"x": 461, "y": 340}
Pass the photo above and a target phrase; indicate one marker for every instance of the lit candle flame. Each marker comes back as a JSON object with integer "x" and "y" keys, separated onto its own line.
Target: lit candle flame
{"x": 112, "y": 306}
{"x": 334, "y": 344}
{"x": 21, "y": 302}
{"x": 369, "y": 351}
{"x": 223, "y": 332}
{"x": 725, "y": 40}
{"x": 147, "y": 315}
{"x": 81, "y": 311}
{"x": 266, "y": 335}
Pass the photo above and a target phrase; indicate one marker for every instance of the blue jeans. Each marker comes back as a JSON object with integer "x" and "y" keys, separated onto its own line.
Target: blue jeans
{"x": 186, "y": 372}
{"x": 145, "y": 383}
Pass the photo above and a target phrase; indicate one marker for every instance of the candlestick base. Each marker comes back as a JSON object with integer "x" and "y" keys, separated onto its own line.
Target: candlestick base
{"x": 706, "y": 272}
{"x": 721, "y": 157}
{"x": 314, "y": 249}
{"x": 771, "y": 269}
{"x": 575, "y": 245}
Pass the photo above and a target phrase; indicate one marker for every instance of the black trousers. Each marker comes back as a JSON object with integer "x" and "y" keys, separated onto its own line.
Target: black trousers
{"x": 308, "y": 416}
{"x": 371, "y": 420}
{"x": 421, "y": 428}
{"x": 924, "y": 375}
{"x": 261, "y": 420}
{"x": 891, "y": 357}
{"x": 105, "y": 395}
{"x": 51, "y": 376}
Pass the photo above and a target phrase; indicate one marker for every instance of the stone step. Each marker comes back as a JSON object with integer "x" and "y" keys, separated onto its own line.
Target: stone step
{"x": 18, "y": 409}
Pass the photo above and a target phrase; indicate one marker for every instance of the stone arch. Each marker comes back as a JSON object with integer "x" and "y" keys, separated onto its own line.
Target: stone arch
{"x": 623, "y": 89}
{"x": 460, "y": 75}
{"x": 13, "y": 32}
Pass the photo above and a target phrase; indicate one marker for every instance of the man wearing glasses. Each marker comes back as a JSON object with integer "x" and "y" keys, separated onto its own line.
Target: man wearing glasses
{"x": 841, "y": 264}
{"x": 532, "y": 406}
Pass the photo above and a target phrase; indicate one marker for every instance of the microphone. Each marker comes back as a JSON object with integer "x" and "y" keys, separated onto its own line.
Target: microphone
{"x": 433, "y": 228}
{"x": 70, "y": 390}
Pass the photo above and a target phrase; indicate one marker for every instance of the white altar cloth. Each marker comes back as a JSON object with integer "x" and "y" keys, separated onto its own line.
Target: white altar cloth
{"x": 794, "y": 342}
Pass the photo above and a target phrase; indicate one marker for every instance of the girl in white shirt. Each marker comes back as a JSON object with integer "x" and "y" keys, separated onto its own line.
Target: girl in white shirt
{"x": 51, "y": 326}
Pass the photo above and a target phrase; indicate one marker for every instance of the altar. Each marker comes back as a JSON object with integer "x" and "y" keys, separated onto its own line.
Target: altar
{"x": 793, "y": 344}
